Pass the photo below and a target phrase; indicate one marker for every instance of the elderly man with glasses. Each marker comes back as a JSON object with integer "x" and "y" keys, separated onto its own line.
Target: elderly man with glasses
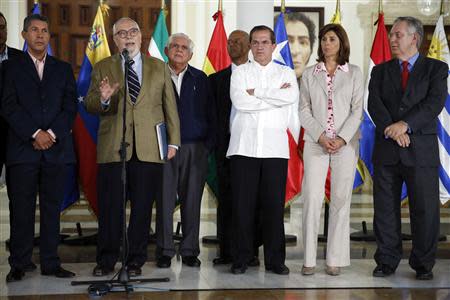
{"x": 150, "y": 100}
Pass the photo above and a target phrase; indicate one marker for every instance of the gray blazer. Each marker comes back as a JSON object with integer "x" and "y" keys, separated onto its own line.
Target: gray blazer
{"x": 347, "y": 103}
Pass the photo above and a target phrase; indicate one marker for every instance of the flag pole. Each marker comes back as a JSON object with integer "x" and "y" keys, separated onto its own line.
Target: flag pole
{"x": 283, "y": 6}
{"x": 442, "y": 8}
{"x": 220, "y": 6}
{"x": 380, "y": 6}
{"x": 163, "y": 4}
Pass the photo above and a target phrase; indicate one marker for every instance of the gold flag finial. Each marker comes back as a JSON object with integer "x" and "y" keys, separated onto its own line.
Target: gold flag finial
{"x": 283, "y": 6}
{"x": 36, "y": 1}
{"x": 220, "y": 6}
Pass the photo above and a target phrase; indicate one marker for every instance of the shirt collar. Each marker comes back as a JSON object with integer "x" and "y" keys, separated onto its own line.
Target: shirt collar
{"x": 173, "y": 73}
{"x": 34, "y": 59}
{"x": 136, "y": 59}
{"x": 257, "y": 64}
{"x": 320, "y": 67}
{"x": 4, "y": 55}
{"x": 411, "y": 61}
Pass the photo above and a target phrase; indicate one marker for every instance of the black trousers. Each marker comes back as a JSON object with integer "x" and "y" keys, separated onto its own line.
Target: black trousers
{"x": 144, "y": 183}
{"x": 423, "y": 193}
{"x": 224, "y": 206}
{"x": 24, "y": 182}
{"x": 225, "y": 211}
{"x": 258, "y": 181}
{"x": 184, "y": 176}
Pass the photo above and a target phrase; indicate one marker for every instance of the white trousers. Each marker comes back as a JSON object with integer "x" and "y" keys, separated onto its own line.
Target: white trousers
{"x": 343, "y": 168}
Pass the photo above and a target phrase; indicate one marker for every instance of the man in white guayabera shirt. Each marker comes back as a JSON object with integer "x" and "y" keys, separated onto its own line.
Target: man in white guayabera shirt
{"x": 262, "y": 93}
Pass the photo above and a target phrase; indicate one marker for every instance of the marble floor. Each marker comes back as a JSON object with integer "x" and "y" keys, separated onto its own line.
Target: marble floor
{"x": 210, "y": 282}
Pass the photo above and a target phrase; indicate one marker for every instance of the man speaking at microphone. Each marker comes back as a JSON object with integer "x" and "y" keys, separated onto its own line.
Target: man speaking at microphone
{"x": 150, "y": 100}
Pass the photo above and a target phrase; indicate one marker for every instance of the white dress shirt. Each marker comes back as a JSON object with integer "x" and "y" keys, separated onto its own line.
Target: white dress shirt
{"x": 259, "y": 123}
{"x": 4, "y": 55}
{"x": 177, "y": 79}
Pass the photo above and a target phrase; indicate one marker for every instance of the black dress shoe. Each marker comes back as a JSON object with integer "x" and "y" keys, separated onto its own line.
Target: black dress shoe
{"x": 254, "y": 262}
{"x": 15, "y": 275}
{"x": 134, "y": 270}
{"x": 164, "y": 261}
{"x": 191, "y": 261}
{"x": 101, "y": 271}
{"x": 278, "y": 269}
{"x": 238, "y": 268}
{"x": 383, "y": 271}
{"x": 424, "y": 275}
{"x": 222, "y": 260}
{"x": 58, "y": 272}
{"x": 30, "y": 267}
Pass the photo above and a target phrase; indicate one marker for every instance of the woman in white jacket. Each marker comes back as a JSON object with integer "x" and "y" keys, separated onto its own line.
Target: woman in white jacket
{"x": 331, "y": 99}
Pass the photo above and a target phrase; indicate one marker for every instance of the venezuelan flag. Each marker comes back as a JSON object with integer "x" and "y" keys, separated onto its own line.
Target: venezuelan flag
{"x": 86, "y": 125}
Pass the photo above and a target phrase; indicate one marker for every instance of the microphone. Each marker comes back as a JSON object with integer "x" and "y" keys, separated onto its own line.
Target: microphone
{"x": 126, "y": 55}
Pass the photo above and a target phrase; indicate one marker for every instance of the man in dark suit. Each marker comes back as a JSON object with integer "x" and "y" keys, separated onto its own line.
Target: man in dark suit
{"x": 149, "y": 101}
{"x": 6, "y": 53}
{"x": 39, "y": 104}
{"x": 406, "y": 94}
{"x": 238, "y": 47}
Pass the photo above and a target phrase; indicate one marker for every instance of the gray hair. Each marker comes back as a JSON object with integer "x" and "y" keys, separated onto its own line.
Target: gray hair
{"x": 183, "y": 36}
{"x": 414, "y": 26}
{"x": 122, "y": 20}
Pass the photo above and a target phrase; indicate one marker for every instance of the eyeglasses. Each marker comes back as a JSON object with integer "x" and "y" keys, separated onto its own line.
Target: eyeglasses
{"x": 124, "y": 34}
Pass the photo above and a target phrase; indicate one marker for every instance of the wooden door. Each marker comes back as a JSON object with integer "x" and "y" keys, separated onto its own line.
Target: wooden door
{"x": 71, "y": 22}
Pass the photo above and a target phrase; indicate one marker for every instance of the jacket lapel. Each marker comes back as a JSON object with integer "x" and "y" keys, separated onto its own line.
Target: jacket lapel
{"x": 145, "y": 70}
{"x": 395, "y": 75}
{"x": 31, "y": 68}
{"x": 413, "y": 77}
{"x": 321, "y": 79}
{"x": 340, "y": 80}
{"x": 49, "y": 69}
{"x": 117, "y": 75}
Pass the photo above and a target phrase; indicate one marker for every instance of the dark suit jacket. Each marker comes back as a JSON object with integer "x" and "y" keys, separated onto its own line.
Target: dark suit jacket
{"x": 12, "y": 55}
{"x": 29, "y": 104}
{"x": 220, "y": 87}
{"x": 418, "y": 106}
{"x": 196, "y": 108}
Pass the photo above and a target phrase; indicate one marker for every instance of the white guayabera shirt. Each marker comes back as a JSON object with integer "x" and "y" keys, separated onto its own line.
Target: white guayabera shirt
{"x": 259, "y": 123}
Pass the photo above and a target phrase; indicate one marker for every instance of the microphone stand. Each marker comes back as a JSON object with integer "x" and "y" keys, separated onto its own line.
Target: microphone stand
{"x": 102, "y": 287}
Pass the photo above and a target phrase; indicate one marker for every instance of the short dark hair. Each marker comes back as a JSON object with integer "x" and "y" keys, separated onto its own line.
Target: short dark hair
{"x": 301, "y": 17}
{"x": 414, "y": 26}
{"x": 263, "y": 28}
{"x": 2, "y": 16}
{"x": 344, "y": 47}
{"x": 33, "y": 17}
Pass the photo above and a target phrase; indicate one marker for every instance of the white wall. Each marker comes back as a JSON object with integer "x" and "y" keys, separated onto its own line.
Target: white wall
{"x": 14, "y": 11}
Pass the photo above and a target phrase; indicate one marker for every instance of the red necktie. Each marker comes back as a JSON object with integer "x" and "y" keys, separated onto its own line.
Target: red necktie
{"x": 405, "y": 74}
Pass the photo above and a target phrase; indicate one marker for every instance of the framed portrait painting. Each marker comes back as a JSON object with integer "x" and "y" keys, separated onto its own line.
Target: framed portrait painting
{"x": 302, "y": 26}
